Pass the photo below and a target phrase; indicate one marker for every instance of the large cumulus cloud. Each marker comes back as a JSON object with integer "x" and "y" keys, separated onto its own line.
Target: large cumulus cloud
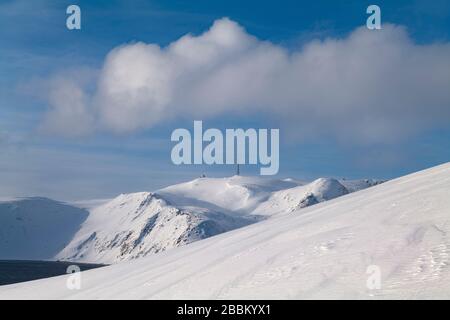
{"x": 369, "y": 86}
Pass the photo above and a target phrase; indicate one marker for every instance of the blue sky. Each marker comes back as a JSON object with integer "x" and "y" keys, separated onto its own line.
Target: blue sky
{"x": 36, "y": 46}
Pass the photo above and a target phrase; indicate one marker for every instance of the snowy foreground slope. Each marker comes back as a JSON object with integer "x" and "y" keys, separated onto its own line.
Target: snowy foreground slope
{"x": 323, "y": 251}
{"x": 135, "y": 225}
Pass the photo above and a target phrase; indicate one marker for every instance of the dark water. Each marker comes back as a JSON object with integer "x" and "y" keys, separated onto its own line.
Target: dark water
{"x": 13, "y": 271}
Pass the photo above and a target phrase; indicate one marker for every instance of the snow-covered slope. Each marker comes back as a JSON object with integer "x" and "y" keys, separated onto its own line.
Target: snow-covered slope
{"x": 238, "y": 194}
{"x": 401, "y": 227}
{"x": 135, "y": 225}
{"x": 302, "y": 196}
{"x": 37, "y": 228}
{"x": 360, "y": 184}
{"x": 247, "y": 195}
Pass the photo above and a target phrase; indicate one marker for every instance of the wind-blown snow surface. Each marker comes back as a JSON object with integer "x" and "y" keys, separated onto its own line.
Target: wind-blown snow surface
{"x": 135, "y": 225}
{"x": 401, "y": 226}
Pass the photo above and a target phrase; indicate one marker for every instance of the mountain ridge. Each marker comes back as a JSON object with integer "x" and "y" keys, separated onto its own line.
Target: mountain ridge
{"x": 134, "y": 225}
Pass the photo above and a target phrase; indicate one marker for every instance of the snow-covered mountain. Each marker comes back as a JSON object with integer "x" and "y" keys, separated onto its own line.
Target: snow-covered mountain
{"x": 37, "y": 228}
{"x": 135, "y": 225}
{"x": 400, "y": 228}
{"x": 303, "y": 196}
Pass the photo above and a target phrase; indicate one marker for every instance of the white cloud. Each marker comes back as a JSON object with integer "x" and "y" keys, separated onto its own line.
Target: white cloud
{"x": 70, "y": 111}
{"x": 370, "y": 86}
